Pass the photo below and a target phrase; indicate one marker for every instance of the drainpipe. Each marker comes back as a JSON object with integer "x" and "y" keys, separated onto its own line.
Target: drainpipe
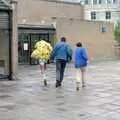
{"x": 82, "y": 10}
{"x": 10, "y": 44}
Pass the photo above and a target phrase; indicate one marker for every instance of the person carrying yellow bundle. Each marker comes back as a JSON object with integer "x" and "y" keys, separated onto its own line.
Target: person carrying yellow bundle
{"x": 42, "y": 52}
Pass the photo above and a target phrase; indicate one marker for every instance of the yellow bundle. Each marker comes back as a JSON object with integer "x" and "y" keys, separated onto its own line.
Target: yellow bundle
{"x": 42, "y": 50}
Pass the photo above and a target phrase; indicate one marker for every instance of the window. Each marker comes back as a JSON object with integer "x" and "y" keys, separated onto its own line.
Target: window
{"x": 109, "y": 1}
{"x": 103, "y": 28}
{"x": 108, "y": 15}
{"x": 100, "y": 1}
{"x": 93, "y": 15}
{"x": 115, "y": 1}
{"x": 86, "y": 1}
{"x": 94, "y": 1}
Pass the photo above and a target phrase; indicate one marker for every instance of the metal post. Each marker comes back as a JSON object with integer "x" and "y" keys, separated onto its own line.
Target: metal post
{"x": 10, "y": 44}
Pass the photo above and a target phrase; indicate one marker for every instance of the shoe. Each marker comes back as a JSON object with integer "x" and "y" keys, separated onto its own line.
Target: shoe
{"x": 45, "y": 82}
{"x": 58, "y": 84}
{"x": 83, "y": 84}
{"x": 77, "y": 86}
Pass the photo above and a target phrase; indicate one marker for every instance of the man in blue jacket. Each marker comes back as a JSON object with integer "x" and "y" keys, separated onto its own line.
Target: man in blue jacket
{"x": 62, "y": 53}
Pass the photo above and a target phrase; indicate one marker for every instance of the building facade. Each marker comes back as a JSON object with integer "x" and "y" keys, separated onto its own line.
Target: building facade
{"x": 46, "y": 11}
{"x": 44, "y": 18}
{"x": 8, "y": 39}
{"x": 92, "y": 2}
{"x": 5, "y": 39}
{"x": 40, "y": 22}
{"x": 98, "y": 41}
{"x": 102, "y": 10}
{"x": 68, "y": 20}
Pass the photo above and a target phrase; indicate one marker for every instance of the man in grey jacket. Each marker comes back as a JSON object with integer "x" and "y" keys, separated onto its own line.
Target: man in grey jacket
{"x": 62, "y": 53}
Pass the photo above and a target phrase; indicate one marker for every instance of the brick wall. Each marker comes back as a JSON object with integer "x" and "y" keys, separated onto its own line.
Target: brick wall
{"x": 34, "y": 11}
{"x": 99, "y": 44}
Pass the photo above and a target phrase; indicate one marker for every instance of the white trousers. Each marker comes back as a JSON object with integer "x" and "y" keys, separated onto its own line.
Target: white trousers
{"x": 42, "y": 70}
{"x": 81, "y": 75}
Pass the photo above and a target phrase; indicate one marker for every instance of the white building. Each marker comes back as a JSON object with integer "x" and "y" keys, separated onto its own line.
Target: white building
{"x": 91, "y": 2}
{"x": 102, "y": 10}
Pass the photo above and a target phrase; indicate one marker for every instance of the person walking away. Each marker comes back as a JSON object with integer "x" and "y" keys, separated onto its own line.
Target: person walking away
{"x": 62, "y": 53}
{"x": 81, "y": 61}
{"x": 42, "y": 64}
{"x": 42, "y": 53}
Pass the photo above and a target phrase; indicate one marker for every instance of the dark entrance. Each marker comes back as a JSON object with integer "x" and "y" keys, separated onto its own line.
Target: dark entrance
{"x": 28, "y": 36}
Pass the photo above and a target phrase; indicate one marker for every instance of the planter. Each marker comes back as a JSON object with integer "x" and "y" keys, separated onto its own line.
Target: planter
{"x": 117, "y": 50}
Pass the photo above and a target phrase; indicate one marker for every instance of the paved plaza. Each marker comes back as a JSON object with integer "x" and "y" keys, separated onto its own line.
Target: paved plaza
{"x": 27, "y": 99}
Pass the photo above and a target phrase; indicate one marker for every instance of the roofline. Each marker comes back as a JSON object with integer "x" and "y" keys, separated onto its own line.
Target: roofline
{"x": 29, "y": 26}
{"x": 5, "y": 9}
{"x": 62, "y": 2}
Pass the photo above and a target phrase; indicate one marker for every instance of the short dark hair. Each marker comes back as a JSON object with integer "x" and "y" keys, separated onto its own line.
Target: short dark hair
{"x": 63, "y": 39}
{"x": 79, "y": 44}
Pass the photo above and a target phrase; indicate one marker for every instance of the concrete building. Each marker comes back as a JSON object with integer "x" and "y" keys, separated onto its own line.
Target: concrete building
{"x": 44, "y": 19}
{"x": 68, "y": 19}
{"x": 8, "y": 35}
{"x": 5, "y": 39}
{"x": 98, "y": 42}
{"x": 102, "y": 10}
{"x": 91, "y": 2}
{"x": 46, "y": 11}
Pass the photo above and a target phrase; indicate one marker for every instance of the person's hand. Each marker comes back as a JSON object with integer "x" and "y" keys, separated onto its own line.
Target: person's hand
{"x": 69, "y": 59}
{"x": 54, "y": 61}
{"x": 88, "y": 61}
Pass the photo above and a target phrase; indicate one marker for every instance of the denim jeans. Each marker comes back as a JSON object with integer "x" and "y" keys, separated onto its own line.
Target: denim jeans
{"x": 60, "y": 68}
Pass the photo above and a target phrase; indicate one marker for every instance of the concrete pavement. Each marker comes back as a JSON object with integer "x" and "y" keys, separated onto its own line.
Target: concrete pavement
{"x": 27, "y": 99}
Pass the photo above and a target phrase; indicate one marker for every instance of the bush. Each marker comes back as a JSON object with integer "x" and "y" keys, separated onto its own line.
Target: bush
{"x": 117, "y": 33}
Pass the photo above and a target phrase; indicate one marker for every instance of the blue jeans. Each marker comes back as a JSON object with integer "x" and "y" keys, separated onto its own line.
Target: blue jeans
{"x": 60, "y": 68}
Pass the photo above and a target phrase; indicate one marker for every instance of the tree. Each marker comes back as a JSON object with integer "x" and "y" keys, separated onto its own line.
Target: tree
{"x": 117, "y": 33}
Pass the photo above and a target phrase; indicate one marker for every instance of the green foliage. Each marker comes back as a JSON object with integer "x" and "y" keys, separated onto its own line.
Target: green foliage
{"x": 54, "y": 41}
{"x": 117, "y": 33}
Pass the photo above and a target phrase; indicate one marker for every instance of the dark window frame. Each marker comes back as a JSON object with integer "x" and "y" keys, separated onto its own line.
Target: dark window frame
{"x": 108, "y": 15}
{"x": 115, "y": 1}
{"x": 86, "y": 2}
{"x": 95, "y": 2}
{"x": 93, "y": 15}
{"x": 100, "y": 1}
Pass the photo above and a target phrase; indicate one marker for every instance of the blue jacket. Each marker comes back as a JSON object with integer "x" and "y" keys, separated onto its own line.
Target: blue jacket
{"x": 62, "y": 51}
{"x": 81, "y": 57}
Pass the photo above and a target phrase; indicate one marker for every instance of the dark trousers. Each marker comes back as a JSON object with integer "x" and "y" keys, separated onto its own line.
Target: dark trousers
{"x": 60, "y": 68}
